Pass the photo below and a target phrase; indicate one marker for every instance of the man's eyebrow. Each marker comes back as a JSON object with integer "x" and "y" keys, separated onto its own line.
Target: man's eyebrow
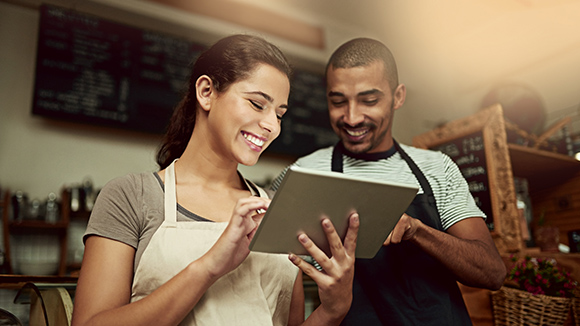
{"x": 370, "y": 92}
{"x": 331, "y": 93}
{"x": 267, "y": 97}
{"x": 363, "y": 93}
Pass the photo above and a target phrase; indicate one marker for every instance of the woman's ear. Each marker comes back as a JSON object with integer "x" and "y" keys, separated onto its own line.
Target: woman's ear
{"x": 203, "y": 91}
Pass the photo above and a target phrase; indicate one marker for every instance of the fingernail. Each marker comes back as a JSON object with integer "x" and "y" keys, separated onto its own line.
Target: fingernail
{"x": 292, "y": 257}
{"x": 326, "y": 223}
{"x": 303, "y": 238}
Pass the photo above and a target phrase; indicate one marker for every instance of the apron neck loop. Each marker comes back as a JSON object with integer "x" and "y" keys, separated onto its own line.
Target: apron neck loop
{"x": 337, "y": 158}
{"x": 170, "y": 195}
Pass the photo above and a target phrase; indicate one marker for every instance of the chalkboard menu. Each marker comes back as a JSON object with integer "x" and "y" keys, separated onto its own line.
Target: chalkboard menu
{"x": 468, "y": 153}
{"x": 96, "y": 71}
{"x": 478, "y": 145}
{"x": 306, "y": 125}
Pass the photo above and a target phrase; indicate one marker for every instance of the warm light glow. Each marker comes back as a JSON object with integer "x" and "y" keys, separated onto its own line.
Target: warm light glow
{"x": 577, "y": 156}
{"x": 254, "y": 17}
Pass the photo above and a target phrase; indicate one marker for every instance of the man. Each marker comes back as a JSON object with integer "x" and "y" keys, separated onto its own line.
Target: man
{"x": 441, "y": 239}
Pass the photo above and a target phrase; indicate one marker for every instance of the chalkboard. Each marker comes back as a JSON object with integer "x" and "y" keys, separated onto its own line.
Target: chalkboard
{"x": 478, "y": 145}
{"x": 97, "y": 71}
{"x": 306, "y": 124}
{"x": 469, "y": 155}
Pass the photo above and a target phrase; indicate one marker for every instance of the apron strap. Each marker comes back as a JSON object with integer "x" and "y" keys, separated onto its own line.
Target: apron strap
{"x": 170, "y": 196}
{"x": 336, "y": 162}
{"x": 427, "y": 190}
{"x": 255, "y": 190}
{"x": 415, "y": 169}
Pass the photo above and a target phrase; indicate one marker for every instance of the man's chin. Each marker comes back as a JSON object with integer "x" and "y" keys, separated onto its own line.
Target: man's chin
{"x": 356, "y": 148}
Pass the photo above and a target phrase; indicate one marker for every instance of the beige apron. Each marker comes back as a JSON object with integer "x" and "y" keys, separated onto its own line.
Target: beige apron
{"x": 258, "y": 292}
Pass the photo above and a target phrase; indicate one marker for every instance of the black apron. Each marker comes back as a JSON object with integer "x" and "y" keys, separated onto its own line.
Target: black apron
{"x": 402, "y": 285}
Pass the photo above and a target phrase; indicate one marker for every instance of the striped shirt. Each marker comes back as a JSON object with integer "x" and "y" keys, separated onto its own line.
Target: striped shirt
{"x": 453, "y": 199}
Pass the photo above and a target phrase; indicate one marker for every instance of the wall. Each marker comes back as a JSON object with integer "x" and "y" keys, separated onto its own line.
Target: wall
{"x": 37, "y": 155}
{"x": 40, "y": 156}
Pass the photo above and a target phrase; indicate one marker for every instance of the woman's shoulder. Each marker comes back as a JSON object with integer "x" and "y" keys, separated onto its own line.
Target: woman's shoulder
{"x": 132, "y": 180}
{"x": 133, "y": 185}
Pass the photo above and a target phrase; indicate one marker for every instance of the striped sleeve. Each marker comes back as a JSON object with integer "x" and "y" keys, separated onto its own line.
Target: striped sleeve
{"x": 458, "y": 203}
{"x": 454, "y": 201}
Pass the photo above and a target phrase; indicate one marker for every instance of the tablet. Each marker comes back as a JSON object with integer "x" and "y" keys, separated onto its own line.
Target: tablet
{"x": 306, "y": 196}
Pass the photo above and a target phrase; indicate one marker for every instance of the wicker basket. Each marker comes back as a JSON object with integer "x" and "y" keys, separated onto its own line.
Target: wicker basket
{"x": 576, "y": 310}
{"x": 515, "y": 307}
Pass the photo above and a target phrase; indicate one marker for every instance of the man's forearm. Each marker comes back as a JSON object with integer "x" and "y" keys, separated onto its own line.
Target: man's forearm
{"x": 475, "y": 262}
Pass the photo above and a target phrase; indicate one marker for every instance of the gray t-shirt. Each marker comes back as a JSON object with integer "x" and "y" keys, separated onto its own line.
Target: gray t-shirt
{"x": 130, "y": 209}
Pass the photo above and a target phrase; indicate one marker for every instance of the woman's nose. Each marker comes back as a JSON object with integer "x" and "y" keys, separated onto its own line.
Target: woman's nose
{"x": 270, "y": 122}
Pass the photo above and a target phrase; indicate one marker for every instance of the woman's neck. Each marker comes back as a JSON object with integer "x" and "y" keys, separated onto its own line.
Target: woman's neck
{"x": 202, "y": 165}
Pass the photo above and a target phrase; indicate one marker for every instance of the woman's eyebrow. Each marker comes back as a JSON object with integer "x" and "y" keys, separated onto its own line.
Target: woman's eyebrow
{"x": 266, "y": 96}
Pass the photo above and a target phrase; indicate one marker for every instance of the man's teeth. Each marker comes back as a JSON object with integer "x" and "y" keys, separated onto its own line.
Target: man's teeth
{"x": 254, "y": 140}
{"x": 356, "y": 133}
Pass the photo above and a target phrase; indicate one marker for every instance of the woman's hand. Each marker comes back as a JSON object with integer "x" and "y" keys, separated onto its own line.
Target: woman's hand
{"x": 335, "y": 281}
{"x": 232, "y": 248}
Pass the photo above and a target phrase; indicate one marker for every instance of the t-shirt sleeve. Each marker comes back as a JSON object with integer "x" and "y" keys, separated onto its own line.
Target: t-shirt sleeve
{"x": 459, "y": 203}
{"x": 116, "y": 212}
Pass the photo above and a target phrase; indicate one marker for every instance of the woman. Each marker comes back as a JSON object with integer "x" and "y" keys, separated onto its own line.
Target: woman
{"x": 171, "y": 247}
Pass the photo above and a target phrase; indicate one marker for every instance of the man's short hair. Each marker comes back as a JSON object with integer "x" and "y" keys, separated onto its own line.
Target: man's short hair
{"x": 362, "y": 52}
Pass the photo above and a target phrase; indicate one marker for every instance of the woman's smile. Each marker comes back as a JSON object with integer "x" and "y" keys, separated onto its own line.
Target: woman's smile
{"x": 255, "y": 142}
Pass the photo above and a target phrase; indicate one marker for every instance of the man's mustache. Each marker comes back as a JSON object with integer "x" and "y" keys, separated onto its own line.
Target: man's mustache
{"x": 362, "y": 125}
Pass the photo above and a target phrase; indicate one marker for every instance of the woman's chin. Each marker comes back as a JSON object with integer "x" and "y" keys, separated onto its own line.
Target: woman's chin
{"x": 249, "y": 160}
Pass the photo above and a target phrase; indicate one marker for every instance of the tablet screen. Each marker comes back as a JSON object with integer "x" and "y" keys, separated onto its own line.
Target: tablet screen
{"x": 306, "y": 196}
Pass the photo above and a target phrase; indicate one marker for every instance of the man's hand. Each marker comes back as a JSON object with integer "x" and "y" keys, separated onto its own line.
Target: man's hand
{"x": 404, "y": 230}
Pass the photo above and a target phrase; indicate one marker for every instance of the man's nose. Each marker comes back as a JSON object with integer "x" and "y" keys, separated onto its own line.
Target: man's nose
{"x": 353, "y": 115}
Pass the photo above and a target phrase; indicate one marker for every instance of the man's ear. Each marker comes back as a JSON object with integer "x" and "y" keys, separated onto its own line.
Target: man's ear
{"x": 203, "y": 91}
{"x": 399, "y": 96}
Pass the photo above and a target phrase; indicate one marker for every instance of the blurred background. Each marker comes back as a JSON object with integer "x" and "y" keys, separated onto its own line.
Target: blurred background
{"x": 455, "y": 57}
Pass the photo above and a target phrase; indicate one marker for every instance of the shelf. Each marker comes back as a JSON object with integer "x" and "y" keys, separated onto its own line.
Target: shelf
{"x": 12, "y": 281}
{"x": 541, "y": 167}
{"x": 80, "y": 215}
{"x": 59, "y": 228}
{"x": 41, "y": 226}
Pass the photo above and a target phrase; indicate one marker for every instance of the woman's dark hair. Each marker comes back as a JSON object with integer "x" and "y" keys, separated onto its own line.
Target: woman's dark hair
{"x": 229, "y": 60}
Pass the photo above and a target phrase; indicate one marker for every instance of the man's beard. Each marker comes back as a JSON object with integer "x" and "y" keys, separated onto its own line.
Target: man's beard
{"x": 371, "y": 127}
{"x": 351, "y": 145}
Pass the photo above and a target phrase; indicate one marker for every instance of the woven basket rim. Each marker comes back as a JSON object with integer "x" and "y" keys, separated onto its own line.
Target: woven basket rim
{"x": 523, "y": 292}
{"x": 576, "y": 310}
{"x": 517, "y": 307}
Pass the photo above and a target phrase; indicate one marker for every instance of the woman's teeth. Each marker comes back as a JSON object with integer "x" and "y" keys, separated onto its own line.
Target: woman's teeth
{"x": 254, "y": 140}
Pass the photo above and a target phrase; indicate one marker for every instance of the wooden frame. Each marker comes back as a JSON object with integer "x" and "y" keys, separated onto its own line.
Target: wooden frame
{"x": 490, "y": 123}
